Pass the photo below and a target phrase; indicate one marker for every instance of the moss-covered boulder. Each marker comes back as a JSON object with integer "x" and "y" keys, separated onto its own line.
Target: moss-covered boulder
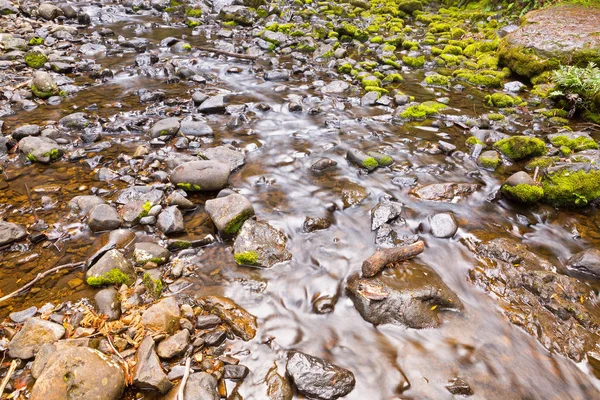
{"x": 258, "y": 244}
{"x": 576, "y": 141}
{"x": 522, "y": 188}
{"x": 111, "y": 269}
{"x": 35, "y": 59}
{"x": 564, "y": 34}
{"x": 572, "y": 185}
{"x": 521, "y": 147}
{"x": 43, "y": 86}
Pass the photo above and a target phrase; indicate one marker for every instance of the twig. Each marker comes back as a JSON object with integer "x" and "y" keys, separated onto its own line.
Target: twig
{"x": 179, "y": 291}
{"x": 40, "y": 276}
{"x": 535, "y": 174}
{"x": 383, "y": 257}
{"x": 228, "y": 53}
{"x": 11, "y": 370}
{"x": 186, "y": 374}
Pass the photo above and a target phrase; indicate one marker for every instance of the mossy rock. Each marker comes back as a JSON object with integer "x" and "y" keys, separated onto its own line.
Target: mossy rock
{"x": 521, "y": 147}
{"x": 502, "y": 100}
{"x": 523, "y": 193}
{"x": 573, "y": 141}
{"x": 572, "y": 186}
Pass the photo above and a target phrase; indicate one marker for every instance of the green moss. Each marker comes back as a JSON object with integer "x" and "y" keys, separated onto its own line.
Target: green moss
{"x": 502, "y": 100}
{"x": 345, "y": 68}
{"x": 52, "y": 154}
{"x": 415, "y": 62}
{"x": 193, "y": 12}
{"x": 186, "y": 46}
{"x": 31, "y": 157}
{"x": 488, "y": 162}
{"x": 370, "y": 163}
{"x": 555, "y": 112}
{"x": 246, "y": 258}
{"x": 578, "y": 144}
{"x": 35, "y": 59}
{"x": 41, "y": 94}
{"x": 437, "y": 80}
{"x": 437, "y": 27}
{"x": 487, "y": 61}
{"x": 378, "y": 89}
{"x": 422, "y": 111}
{"x": 370, "y": 81}
{"x": 571, "y": 188}
{"x": 36, "y": 41}
{"x": 449, "y": 59}
{"x": 191, "y": 23}
{"x": 229, "y": 24}
{"x": 472, "y": 141}
{"x": 523, "y": 193}
{"x": 113, "y": 277}
{"x": 410, "y": 45}
{"x": 455, "y": 50}
{"x": 153, "y": 286}
{"x": 479, "y": 79}
{"x": 180, "y": 244}
{"x": 523, "y": 61}
{"x": 392, "y": 78}
{"x": 145, "y": 209}
{"x": 236, "y": 223}
{"x": 541, "y": 162}
{"x": 520, "y": 147}
{"x": 496, "y": 117}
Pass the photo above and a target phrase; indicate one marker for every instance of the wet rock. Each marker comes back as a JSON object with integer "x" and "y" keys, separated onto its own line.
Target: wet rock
{"x": 353, "y": 194}
{"x": 36, "y": 332}
{"x": 514, "y": 86}
{"x": 369, "y": 99}
{"x": 200, "y": 385}
{"x": 10, "y": 232}
{"x": 42, "y": 85}
{"x": 229, "y": 213}
{"x": 459, "y": 387}
{"x": 240, "y": 321}
{"x": 103, "y": 218}
{"x": 49, "y": 11}
{"x": 79, "y": 373}
{"x": 199, "y": 97}
{"x": 162, "y": 316}
{"x": 21, "y": 316}
{"x": 7, "y": 8}
{"x": 150, "y": 252}
{"x": 26, "y": 130}
{"x": 225, "y": 154}
{"x": 239, "y": 14}
{"x": 148, "y": 371}
{"x": 489, "y": 159}
{"x": 258, "y": 244}
{"x": 235, "y": 372}
{"x": 585, "y": 264}
{"x": 361, "y": 159}
{"x": 385, "y": 212}
{"x": 214, "y": 338}
{"x": 111, "y": 268}
{"x": 443, "y": 225}
{"x": 213, "y": 105}
{"x": 177, "y": 199}
{"x": 40, "y": 149}
{"x": 74, "y": 121}
{"x": 195, "y": 128}
{"x": 323, "y": 164}
{"x": 523, "y": 188}
{"x": 175, "y": 345}
{"x": 449, "y": 192}
{"x": 316, "y": 377}
{"x": 201, "y": 175}
{"x": 278, "y": 387}
{"x": 277, "y": 75}
{"x": 335, "y": 87}
{"x": 315, "y": 224}
{"x": 165, "y": 127}
{"x": 412, "y": 296}
{"x": 207, "y": 321}
{"x": 109, "y": 303}
{"x": 170, "y": 221}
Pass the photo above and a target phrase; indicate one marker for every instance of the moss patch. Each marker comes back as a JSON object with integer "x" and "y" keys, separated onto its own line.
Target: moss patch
{"x": 571, "y": 188}
{"x": 524, "y": 193}
{"x": 246, "y": 258}
{"x": 113, "y": 277}
{"x": 577, "y": 144}
{"x": 502, "y": 100}
{"x": 153, "y": 286}
{"x": 520, "y": 147}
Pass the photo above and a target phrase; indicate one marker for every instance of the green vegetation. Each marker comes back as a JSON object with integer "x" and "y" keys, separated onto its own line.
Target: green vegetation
{"x": 113, "y": 277}
{"x": 236, "y": 223}
{"x": 437, "y": 80}
{"x": 246, "y": 258}
{"x": 523, "y": 192}
{"x": 36, "y": 41}
{"x": 370, "y": 163}
{"x": 502, "y": 100}
{"x": 422, "y": 111}
{"x": 577, "y": 144}
{"x": 541, "y": 162}
{"x": 35, "y": 59}
{"x": 188, "y": 187}
{"x": 415, "y": 62}
{"x": 472, "y": 141}
{"x": 520, "y": 147}
{"x": 578, "y": 86}
{"x": 153, "y": 286}
{"x": 571, "y": 188}
{"x": 488, "y": 162}
{"x": 193, "y": 12}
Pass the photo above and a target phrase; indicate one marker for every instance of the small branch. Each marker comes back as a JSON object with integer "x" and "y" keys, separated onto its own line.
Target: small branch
{"x": 40, "y": 276}
{"x": 186, "y": 374}
{"x": 11, "y": 370}
{"x": 383, "y": 257}
{"x": 228, "y": 53}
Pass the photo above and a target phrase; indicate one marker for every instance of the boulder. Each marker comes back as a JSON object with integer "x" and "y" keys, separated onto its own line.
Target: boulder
{"x": 10, "y": 232}
{"x": 585, "y": 264}
{"x": 109, "y": 303}
{"x": 40, "y": 149}
{"x": 442, "y": 225}
{"x": 79, "y": 373}
{"x": 148, "y": 251}
{"x": 174, "y": 345}
{"x": 239, "y": 14}
{"x": 447, "y": 192}
{"x": 225, "y": 154}
{"x": 162, "y": 316}
{"x": 111, "y": 269}
{"x": 165, "y": 127}
{"x": 75, "y": 121}
{"x": 148, "y": 371}
{"x": 201, "y": 176}
{"x": 195, "y": 128}
{"x": 49, "y": 11}
{"x": 213, "y": 105}
{"x": 43, "y": 86}
{"x": 229, "y": 213}
{"x": 258, "y": 244}
{"x": 103, "y": 218}
{"x": 318, "y": 378}
{"x": 170, "y": 221}
{"x": 32, "y": 336}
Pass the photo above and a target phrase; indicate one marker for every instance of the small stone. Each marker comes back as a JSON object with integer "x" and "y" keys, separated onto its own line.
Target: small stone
{"x": 258, "y": 244}
{"x": 21, "y": 316}
{"x": 165, "y": 127}
{"x": 174, "y": 345}
{"x": 10, "y": 232}
{"x": 32, "y": 336}
{"x": 103, "y": 218}
{"x": 459, "y": 387}
{"x": 207, "y": 321}
{"x": 229, "y": 213}
{"x": 162, "y": 316}
{"x": 148, "y": 251}
{"x": 170, "y": 221}
{"x": 443, "y": 225}
{"x": 235, "y": 372}
{"x": 315, "y": 224}
{"x": 109, "y": 303}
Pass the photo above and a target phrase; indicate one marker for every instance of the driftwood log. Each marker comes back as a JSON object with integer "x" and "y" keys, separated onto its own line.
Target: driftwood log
{"x": 383, "y": 257}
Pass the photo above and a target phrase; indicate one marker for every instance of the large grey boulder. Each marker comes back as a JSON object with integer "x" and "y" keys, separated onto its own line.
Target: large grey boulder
{"x": 201, "y": 176}
{"x": 225, "y": 154}
{"x": 165, "y": 127}
{"x": 229, "y": 213}
{"x": 103, "y": 218}
{"x": 258, "y": 244}
{"x": 148, "y": 371}
{"x": 10, "y": 232}
{"x": 40, "y": 149}
{"x": 32, "y": 336}
{"x": 170, "y": 221}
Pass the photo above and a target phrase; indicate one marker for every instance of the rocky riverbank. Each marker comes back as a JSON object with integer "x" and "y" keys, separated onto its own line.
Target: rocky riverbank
{"x": 366, "y": 199}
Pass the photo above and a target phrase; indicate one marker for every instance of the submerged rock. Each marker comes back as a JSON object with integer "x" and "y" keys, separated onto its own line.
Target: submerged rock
{"x": 258, "y": 244}
{"x": 35, "y": 333}
{"x": 585, "y": 264}
{"x": 318, "y": 378}
{"x": 240, "y": 321}
{"x": 449, "y": 192}
{"x": 10, "y": 232}
{"x": 79, "y": 373}
{"x": 229, "y": 213}
{"x": 413, "y": 296}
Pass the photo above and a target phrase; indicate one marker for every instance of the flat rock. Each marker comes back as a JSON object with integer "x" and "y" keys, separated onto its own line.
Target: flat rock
{"x": 32, "y": 336}
{"x": 79, "y": 373}
{"x": 103, "y": 270}
{"x": 174, "y": 345}
{"x": 318, "y": 378}
{"x": 213, "y": 105}
{"x": 103, "y": 218}
{"x": 170, "y": 221}
{"x": 448, "y": 192}
{"x": 225, "y": 154}
{"x": 258, "y": 244}
{"x": 585, "y": 264}
{"x": 162, "y": 316}
{"x": 10, "y": 232}
{"x": 21, "y": 316}
{"x": 195, "y": 128}
{"x": 201, "y": 175}
{"x": 84, "y": 204}
{"x": 148, "y": 251}
{"x": 199, "y": 385}
{"x": 40, "y": 149}
{"x": 240, "y": 321}
{"x": 148, "y": 371}
{"x": 229, "y": 213}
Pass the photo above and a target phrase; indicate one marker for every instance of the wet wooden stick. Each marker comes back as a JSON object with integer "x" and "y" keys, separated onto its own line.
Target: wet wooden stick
{"x": 383, "y": 257}
{"x": 228, "y": 53}
{"x": 11, "y": 370}
{"x": 40, "y": 276}
{"x": 186, "y": 374}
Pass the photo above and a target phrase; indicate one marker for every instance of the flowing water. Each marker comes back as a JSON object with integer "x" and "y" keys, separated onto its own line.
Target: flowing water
{"x": 498, "y": 359}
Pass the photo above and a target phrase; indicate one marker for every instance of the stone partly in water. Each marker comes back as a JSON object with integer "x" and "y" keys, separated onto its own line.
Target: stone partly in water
{"x": 170, "y": 221}
{"x": 201, "y": 176}
{"x": 449, "y": 192}
{"x": 10, "y": 232}
{"x": 240, "y": 321}
{"x": 413, "y": 296}
{"x": 111, "y": 269}
{"x": 162, "y": 316}
{"x": 164, "y": 128}
{"x": 79, "y": 373}
{"x": 150, "y": 252}
{"x": 258, "y": 244}
{"x": 43, "y": 86}
{"x": 40, "y": 149}
{"x": 103, "y": 218}
{"x": 148, "y": 371}
{"x": 585, "y": 264}
{"x": 32, "y": 336}
{"x": 174, "y": 345}
{"x": 199, "y": 385}
{"x": 522, "y": 188}
{"x": 318, "y": 378}
{"x": 229, "y": 213}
